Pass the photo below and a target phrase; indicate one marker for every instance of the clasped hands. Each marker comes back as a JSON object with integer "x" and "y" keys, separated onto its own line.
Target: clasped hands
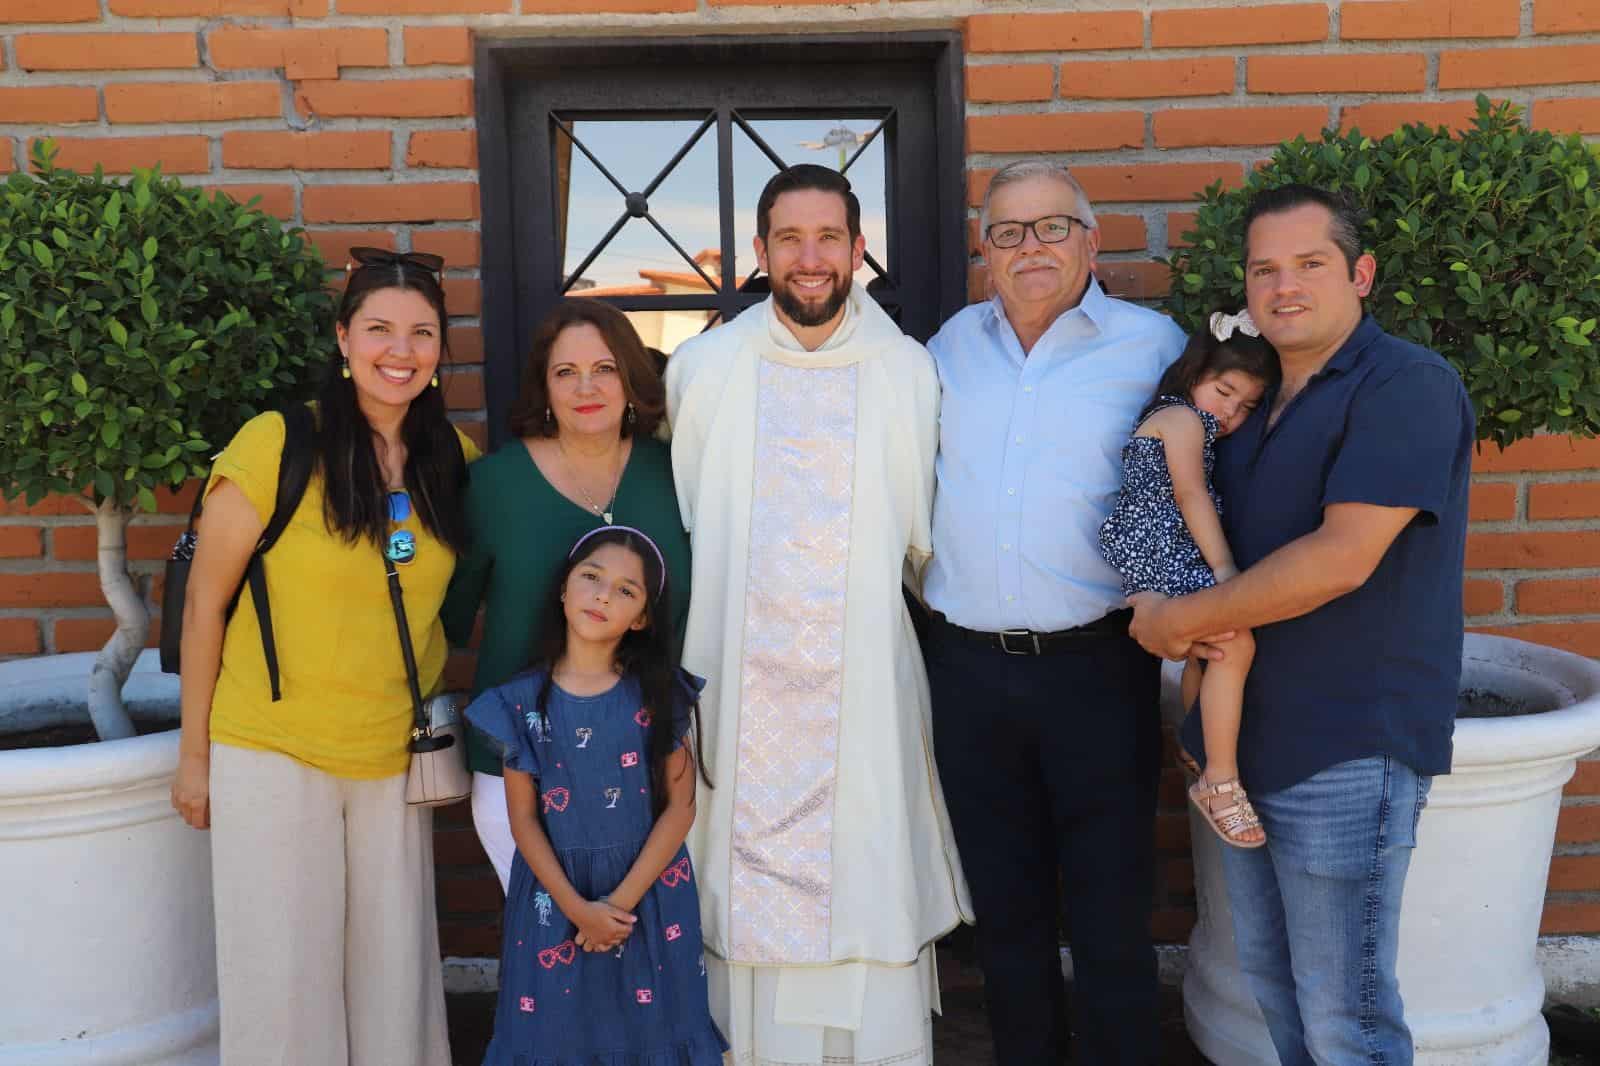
{"x": 1154, "y": 626}
{"x": 602, "y": 925}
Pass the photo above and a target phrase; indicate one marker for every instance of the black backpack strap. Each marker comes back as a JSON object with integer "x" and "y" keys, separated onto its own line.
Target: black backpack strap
{"x": 294, "y": 474}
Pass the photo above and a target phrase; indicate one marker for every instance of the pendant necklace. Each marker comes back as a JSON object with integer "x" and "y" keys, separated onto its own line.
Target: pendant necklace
{"x": 606, "y": 511}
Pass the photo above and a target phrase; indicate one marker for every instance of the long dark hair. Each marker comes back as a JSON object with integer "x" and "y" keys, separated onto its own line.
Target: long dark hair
{"x": 641, "y": 380}
{"x": 649, "y": 655}
{"x": 355, "y": 501}
{"x": 1205, "y": 356}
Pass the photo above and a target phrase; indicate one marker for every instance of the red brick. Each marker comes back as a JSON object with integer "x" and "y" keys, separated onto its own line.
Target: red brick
{"x": 107, "y": 51}
{"x": 1188, "y": 128}
{"x": 1490, "y": 67}
{"x": 284, "y": 150}
{"x": 1564, "y": 499}
{"x": 471, "y": 895}
{"x": 191, "y": 102}
{"x": 1121, "y": 233}
{"x": 978, "y": 286}
{"x": 768, "y": 3}
{"x": 1179, "y": 223}
{"x": 1072, "y": 132}
{"x": 1492, "y": 501}
{"x": 1586, "y": 779}
{"x": 460, "y": 247}
{"x": 469, "y": 939}
{"x": 1545, "y": 452}
{"x": 1119, "y": 79}
{"x": 120, "y": 155}
{"x": 1559, "y": 596}
{"x": 423, "y": 7}
{"x": 177, "y": 501}
{"x": 8, "y": 155}
{"x": 302, "y": 54}
{"x": 419, "y": 202}
{"x": 1140, "y": 280}
{"x": 1577, "y": 115}
{"x": 1171, "y": 925}
{"x": 21, "y": 542}
{"x": 463, "y": 296}
{"x": 1566, "y": 16}
{"x": 335, "y": 244}
{"x": 79, "y": 588}
{"x": 1580, "y": 637}
{"x": 466, "y": 344}
{"x": 1389, "y": 72}
{"x": 220, "y": 8}
{"x": 1506, "y": 551}
{"x": 478, "y": 433}
{"x": 415, "y": 98}
{"x": 627, "y": 7}
{"x": 52, "y": 104}
{"x": 1578, "y": 824}
{"x": 1408, "y": 19}
{"x": 1564, "y": 917}
{"x": 1379, "y": 120}
{"x": 1155, "y": 181}
{"x": 430, "y": 45}
{"x": 51, "y": 505}
{"x": 1063, "y": 32}
{"x": 1172, "y": 831}
{"x": 49, "y": 11}
{"x": 147, "y": 542}
{"x": 1271, "y": 24}
{"x": 1010, "y": 82}
{"x": 442, "y": 148}
{"x": 1482, "y": 596}
{"x": 463, "y": 389}
{"x": 276, "y": 200}
{"x": 1575, "y": 873}
{"x": 457, "y": 847}
{"x": 1178, "y": 876}
{"x": 19, "y": 636}
{"x": 91, "y": 634}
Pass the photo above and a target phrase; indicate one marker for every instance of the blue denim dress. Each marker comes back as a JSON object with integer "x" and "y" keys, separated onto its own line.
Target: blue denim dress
{"x": 643, "y": 1004}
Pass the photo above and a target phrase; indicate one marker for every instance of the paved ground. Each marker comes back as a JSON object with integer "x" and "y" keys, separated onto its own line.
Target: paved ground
{"x": 960, "y": 1037}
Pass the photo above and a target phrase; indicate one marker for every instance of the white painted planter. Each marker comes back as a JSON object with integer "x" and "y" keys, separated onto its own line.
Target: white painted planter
{"x": 1469, "y": 930}
{"x": 107, "y": 942}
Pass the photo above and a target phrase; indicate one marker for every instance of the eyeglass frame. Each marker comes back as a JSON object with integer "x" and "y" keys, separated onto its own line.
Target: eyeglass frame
{"x": 365, "y": 255}
{"x": 1032, "y": 226}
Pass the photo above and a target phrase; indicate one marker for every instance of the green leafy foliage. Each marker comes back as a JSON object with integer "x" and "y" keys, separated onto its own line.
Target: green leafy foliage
{"x": 141, "y": 322}
{"x": 1486, "y": 242}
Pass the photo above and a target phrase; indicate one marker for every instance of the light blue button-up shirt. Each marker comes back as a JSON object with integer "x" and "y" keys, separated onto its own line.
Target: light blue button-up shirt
{"x": 1030, "y": 459}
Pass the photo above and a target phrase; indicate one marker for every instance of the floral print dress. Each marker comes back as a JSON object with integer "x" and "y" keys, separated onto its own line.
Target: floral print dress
{"x": 643, "y": 1004}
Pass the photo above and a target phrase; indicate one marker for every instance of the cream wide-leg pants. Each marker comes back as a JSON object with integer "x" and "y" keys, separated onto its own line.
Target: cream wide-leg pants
{"x": 327, "y": 939}
{"x": 855, "y": 1014}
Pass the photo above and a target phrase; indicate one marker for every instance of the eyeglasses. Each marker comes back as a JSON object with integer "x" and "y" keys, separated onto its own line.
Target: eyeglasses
{"x": 1051, "y": 229}
{"x": 402, "y": 544}
{"x": 381, "y": 257}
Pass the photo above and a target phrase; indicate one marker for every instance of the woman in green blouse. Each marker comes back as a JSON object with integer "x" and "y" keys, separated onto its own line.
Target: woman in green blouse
{"x": 585, "y": 456}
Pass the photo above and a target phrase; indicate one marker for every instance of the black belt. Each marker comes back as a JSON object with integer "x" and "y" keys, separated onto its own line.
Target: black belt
{"x": 1027, "y": 642}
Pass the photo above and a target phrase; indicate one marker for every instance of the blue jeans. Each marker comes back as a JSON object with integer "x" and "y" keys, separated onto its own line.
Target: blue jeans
{"x": 1316, "y": 913}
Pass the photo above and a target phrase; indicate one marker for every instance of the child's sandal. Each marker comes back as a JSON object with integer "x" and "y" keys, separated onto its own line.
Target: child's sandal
{"x": 1231, "y": 820}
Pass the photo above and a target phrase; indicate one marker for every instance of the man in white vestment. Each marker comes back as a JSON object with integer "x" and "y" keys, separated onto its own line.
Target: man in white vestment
{"x": 803, "y": 446}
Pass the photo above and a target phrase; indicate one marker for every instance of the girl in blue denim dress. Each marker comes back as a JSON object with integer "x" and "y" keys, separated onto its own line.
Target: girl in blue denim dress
{"x": 1165, "y": 535}
{"x": 601, "y": 960}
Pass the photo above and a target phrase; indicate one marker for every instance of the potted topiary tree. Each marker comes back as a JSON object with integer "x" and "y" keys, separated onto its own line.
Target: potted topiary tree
{"x": 141, "y": 322}
{"x": 1486, "y": 242}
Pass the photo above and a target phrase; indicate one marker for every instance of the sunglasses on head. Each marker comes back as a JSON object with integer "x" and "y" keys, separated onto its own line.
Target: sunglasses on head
{"x": 382, "y": 257}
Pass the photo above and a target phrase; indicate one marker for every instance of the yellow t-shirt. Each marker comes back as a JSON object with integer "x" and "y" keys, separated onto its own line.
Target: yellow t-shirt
{"x": 346, "y": 706}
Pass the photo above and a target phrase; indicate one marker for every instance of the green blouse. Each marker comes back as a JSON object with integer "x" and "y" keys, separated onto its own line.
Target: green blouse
{"x": 522, "y": 529}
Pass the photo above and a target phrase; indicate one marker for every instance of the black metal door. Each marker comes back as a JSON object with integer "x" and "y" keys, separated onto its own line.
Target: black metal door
{"x": 628, "y": 171}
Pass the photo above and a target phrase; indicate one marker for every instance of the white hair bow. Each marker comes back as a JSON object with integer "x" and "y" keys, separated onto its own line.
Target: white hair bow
{"x": 1223, "y": 324}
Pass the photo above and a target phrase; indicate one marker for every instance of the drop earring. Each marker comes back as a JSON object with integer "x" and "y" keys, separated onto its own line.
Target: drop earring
{"x": 436, "y": 381}
{"x": 344, "y": 370}
{"x": 631, "y": 416}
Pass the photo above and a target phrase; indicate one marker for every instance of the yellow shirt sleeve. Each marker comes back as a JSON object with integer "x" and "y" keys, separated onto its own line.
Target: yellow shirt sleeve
{"x": 251, "y": 461}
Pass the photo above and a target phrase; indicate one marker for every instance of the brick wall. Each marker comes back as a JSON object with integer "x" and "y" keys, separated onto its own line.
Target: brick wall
{"x": 354, "y": 118}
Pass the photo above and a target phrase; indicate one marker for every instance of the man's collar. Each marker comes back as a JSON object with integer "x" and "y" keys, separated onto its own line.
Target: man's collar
{"x": 1095, "y": 305}
{"x": 1366, "y": 331}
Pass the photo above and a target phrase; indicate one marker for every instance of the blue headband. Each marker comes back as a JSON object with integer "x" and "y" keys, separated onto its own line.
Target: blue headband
{"x": 641, "y": 534}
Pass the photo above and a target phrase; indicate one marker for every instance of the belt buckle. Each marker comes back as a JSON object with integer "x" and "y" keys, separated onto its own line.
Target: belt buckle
{"x": 1024, "y": 650}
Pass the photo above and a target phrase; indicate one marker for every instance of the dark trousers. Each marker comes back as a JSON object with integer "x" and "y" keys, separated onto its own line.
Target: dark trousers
{"x": 1049, "y": 766}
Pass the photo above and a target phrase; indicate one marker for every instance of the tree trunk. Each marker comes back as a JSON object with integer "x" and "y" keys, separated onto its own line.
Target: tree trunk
{"x": 115, "y": 661}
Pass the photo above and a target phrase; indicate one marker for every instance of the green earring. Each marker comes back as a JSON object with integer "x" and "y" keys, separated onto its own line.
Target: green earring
{"x": 436, "y": 381}
{"x": 344, "y": 370}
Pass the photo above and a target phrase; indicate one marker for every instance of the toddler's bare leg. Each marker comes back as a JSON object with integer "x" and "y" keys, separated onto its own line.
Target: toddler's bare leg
{"x": 1221, "y": 707}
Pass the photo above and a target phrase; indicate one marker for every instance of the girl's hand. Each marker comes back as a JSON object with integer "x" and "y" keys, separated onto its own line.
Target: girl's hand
{"x": 601, "y": 927}
{"x": 191, "y": 789}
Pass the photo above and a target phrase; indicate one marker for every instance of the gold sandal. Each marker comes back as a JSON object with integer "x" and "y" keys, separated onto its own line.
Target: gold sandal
{"x": 1236, "y": 817}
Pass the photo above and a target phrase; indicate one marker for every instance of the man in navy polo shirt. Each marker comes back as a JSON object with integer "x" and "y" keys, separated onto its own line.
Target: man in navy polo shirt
{"x": 1346, "y": 507}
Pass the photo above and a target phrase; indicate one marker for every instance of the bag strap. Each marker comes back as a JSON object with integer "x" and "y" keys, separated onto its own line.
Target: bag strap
{"x": 421, "y": 728}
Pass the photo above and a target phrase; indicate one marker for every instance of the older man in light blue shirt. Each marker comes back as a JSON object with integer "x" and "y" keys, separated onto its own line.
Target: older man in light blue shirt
{"x": 1046, "y": 724}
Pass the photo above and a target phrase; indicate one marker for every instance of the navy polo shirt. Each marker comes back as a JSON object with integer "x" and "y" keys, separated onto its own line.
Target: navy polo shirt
{"x": 1375, "y": 671}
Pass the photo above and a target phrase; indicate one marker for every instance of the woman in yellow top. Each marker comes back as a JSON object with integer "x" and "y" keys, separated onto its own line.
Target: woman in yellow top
{"x": 327, "y": 943}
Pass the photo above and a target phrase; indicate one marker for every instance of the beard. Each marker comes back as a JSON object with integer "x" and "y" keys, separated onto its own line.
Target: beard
{"x": 803, "y": 313}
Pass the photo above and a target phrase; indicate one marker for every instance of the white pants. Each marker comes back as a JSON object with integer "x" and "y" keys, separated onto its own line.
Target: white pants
{"x": 327, "y": 938}
{"x": 855, "y": 1014}
{"x": 493, "y": 824}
